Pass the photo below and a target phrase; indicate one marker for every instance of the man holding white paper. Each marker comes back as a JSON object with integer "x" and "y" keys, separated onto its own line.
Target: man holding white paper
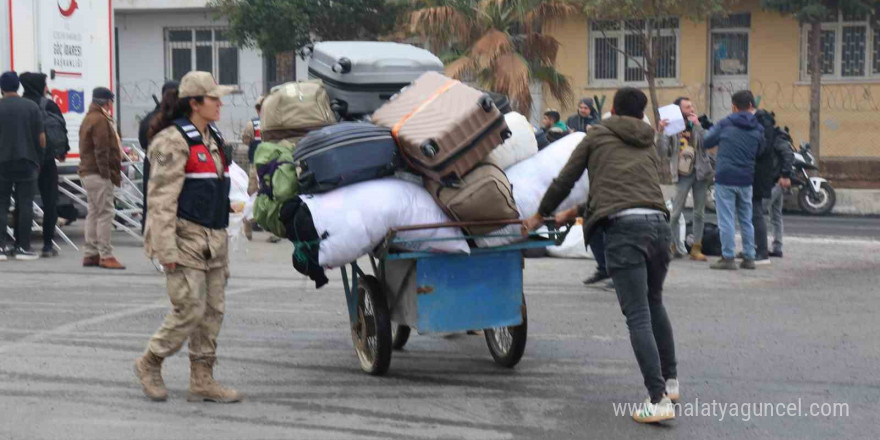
{"x": 691, "y": 167}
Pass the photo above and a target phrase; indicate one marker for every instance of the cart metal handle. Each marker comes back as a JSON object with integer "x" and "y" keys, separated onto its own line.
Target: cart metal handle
{"x": 464, "y": 224}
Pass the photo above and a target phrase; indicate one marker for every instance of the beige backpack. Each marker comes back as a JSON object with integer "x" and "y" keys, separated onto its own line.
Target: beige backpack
{"x": 686, "y": 158}
{"x": 300, "y": 105}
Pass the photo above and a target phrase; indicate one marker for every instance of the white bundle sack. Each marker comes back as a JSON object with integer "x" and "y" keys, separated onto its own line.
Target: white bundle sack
{"x": 520, "y": 146}
{"x": 357, "y": 217}
{"x": 530, "y": 180}
{"x": 573, "y": 246}
{"x": 240, "y": 205}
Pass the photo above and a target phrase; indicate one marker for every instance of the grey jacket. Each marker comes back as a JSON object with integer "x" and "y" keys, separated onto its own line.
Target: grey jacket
{"x": 668, "y": 147}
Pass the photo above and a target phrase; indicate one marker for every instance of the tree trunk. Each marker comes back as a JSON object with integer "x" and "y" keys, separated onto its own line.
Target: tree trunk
{"x": 655, "y": 106}
{"x": 650, "y": 72}
{"x": 815, "y": 85}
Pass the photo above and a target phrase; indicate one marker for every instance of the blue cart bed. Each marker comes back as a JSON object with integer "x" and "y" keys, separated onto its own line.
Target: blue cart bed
{"x": 440, "y": 293}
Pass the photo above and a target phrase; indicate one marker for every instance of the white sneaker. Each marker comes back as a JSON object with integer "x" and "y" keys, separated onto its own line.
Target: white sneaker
{"x": 672, "y": 390}
{"x": 764, "y": 262}
{"x": 655, "y": 412}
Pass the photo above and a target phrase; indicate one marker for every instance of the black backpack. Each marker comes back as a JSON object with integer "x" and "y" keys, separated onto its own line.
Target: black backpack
{"x": 56, "y": 131}
{"x": 711, "y": 238}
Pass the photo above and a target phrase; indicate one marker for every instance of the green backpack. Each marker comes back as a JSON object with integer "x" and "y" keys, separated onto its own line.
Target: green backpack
{"x": 278, "y": 183}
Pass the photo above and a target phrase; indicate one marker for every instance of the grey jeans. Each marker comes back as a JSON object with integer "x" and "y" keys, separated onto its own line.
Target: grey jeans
{"x": 637, "y": 255}
{"x": 774, "y": 205}
{"x": 685, "y": 185}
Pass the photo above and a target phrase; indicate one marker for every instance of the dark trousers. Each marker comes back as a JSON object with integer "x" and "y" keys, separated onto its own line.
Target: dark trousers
{"x": 24, "y": 207}
{"x": 637, "y": 254}
{"x": 760, "y": 224}
{"x": 48, "y": 186}
{"x": 597, "y": 246}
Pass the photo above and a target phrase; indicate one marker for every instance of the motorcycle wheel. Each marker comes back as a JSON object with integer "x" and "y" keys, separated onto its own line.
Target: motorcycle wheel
{"x": 820, "y": 204}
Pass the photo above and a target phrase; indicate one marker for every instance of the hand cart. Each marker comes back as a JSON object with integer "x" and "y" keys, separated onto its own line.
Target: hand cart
{"x": 441, "y": 293}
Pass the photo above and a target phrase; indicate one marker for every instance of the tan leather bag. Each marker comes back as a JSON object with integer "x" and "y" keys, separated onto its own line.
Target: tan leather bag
{"x": 484, "y": 194}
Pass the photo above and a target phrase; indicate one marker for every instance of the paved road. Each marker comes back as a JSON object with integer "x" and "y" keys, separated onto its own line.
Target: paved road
{"x": 804, "y": 330}
{"x": 821, "y": 226}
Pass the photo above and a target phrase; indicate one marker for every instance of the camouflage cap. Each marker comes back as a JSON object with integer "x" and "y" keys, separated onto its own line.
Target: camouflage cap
{"x": 197, "y": 83}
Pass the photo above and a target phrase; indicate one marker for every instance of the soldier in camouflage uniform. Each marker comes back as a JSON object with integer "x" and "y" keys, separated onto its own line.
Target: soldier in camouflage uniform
{"x": 186, "y": 232}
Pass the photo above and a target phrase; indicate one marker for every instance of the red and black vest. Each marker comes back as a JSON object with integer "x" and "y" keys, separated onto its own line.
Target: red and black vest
{"x": 204, "y": 199}
{"x": 258, "y": 137}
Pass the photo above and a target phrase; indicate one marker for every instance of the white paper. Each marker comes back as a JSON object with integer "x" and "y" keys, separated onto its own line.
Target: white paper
{"x": 672, "y": 113}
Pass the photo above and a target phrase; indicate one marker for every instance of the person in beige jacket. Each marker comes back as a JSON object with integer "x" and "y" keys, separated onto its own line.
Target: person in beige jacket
{"x": 186, "y": 231}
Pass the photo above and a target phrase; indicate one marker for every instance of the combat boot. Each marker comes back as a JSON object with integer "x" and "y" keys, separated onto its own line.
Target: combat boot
{"x": 202, "y": 386}
{"x": 148, "y": 368}
{"x": 697, "y": 252}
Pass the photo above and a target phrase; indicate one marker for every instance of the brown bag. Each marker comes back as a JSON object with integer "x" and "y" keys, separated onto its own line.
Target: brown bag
{"x": 485, "y": 194}
{"x": 443, "y": 127}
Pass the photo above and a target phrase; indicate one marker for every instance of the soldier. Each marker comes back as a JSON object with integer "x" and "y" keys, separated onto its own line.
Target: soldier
{"x": 186, "y": 231}
{"x": 252, "y": 137}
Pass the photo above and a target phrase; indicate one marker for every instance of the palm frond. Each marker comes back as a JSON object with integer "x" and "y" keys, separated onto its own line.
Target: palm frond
{"x": 510, "y": 76}
{"x": 557, "y": 84}
{"x": 541, "y": 47}
{"x": 440, "y": 23}
{"x": 460, "y": 68}
{"x": 490, "y": 46}
{"x": 550, "y": 10}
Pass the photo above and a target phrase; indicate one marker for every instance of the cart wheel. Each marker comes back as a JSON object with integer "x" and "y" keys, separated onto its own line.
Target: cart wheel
{"x": 399, "y": 336}
{"x": 507, "y": 344}
{"x": 371, "y": 334}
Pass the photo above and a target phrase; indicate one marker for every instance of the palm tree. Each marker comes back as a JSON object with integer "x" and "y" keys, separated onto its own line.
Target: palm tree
{"x": 497, "y": 44}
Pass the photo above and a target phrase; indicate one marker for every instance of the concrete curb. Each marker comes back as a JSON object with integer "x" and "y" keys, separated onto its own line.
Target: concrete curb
{"x": 863, "y": 202}
{"x": 857, "y": 202}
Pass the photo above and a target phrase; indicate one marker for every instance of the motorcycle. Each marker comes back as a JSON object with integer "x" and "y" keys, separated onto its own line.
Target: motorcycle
{"x": 815, "y": 194}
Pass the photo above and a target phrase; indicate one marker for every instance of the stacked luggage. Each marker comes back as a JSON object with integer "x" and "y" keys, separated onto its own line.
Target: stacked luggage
{"x": 435, "y": 151}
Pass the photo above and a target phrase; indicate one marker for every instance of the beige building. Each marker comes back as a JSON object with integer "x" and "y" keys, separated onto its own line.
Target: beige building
{"x": 751, "y": 48}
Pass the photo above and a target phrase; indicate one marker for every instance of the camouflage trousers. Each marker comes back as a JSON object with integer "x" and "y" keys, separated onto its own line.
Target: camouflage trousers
{"x": 198, "y": 300}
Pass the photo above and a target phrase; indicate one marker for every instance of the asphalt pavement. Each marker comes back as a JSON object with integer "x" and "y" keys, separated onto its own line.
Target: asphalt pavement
{"x": 796, "y": 224}
{"x": 800, "y": 332}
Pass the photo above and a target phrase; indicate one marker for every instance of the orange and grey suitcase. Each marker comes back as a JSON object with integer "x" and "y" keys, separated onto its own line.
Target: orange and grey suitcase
{"x": 443, "y": 127}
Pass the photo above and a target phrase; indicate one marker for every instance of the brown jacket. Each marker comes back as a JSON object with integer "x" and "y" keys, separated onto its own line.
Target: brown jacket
{"x": 623, "y": 168}
{"x": 167, "y": 237}
{"x": 99, "y": 148}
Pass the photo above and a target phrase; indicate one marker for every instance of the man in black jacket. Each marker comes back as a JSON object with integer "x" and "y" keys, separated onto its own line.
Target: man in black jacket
{"x": 57, "y": 146}
{"x": 22, "y": 141}
{"x": 772, "y": 166}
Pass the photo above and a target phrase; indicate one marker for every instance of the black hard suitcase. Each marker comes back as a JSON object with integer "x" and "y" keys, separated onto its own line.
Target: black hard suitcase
{"x": 343, "y": 154}
{"x": 502, "y": 102}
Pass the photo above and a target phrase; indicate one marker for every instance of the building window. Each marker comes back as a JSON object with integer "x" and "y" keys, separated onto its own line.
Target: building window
{"x": 618, "y": 50}
{"x": 203, "y": 49}
{"x": 850, "y": 45}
